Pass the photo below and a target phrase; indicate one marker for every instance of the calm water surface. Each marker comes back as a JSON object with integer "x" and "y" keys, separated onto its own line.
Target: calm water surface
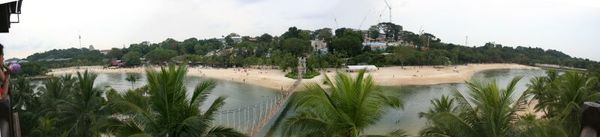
{"x": 236, "y": 93}
{"x": 416, "y": 98}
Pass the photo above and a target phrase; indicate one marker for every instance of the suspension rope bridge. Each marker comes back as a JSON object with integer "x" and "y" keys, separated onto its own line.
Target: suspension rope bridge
{"x": 251, "y": 119}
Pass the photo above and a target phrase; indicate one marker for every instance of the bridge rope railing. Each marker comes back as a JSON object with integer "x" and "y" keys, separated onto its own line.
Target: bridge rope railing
{"x": 250, "y": 119}
{"x": 245, "y": 118}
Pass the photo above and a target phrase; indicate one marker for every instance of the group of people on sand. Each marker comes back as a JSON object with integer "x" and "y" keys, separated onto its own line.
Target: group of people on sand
{"x": 247, "y": 71}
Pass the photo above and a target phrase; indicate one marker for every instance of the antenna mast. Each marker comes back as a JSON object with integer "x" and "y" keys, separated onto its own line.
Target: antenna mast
{"x": 80, "y": 41}
{"x": 467, "y": 41}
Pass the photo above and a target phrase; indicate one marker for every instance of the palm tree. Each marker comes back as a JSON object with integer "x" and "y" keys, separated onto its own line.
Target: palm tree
{"x": 530, "y": 126}
{"x": 345, "y": 109}
{"x": 163, "y": 108}
{"x": 561, "y": 97}
{"x": 47, "y": 127}
{"x": 54, "y": 91}
{"x": 24, "y": 101}
{"x": 444, "y": 104}
{"x": 38, "y": 111}
{"x": 132, "y": 78}
{"x": 22, "y": 94}
{"x": 487, "y": 111}
{"x": 82, "y": 110}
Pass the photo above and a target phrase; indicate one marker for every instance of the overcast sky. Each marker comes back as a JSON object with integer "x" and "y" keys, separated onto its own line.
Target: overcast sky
{"x": 571, "y": 26}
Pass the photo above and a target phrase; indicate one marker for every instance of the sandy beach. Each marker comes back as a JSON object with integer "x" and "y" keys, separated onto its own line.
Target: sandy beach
{"x": 385, "y": 76}
{"x": 529, "y": 108}
{"x": 275, "y": 79}
{"x": 429, "y": 75}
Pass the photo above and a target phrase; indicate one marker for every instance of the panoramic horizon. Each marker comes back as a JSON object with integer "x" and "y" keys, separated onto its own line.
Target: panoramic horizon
{"x": 283, "y": 68}
{"x": 567, "y": 26}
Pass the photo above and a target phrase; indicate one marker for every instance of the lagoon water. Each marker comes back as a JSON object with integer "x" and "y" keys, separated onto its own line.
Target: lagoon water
{"x": 236, "y": 93}
{"x": 416, "y": 98}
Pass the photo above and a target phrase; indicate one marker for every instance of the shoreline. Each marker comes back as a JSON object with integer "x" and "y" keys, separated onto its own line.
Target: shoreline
{"x": 428, "y": 75}
{"x": 275, "y": 79}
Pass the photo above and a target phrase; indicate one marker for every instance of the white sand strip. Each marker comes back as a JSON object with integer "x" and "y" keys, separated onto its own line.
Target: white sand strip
{"x": 275, "y": 79}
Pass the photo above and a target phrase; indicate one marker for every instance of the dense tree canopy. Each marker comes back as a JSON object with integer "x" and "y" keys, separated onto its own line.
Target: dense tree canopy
{"x": 160, "y": 55}
{"x": 71, "y": 53}
{"x": 325, "y": 34}
{"x": 115, "y": 53}
{"x": 265, "y": 38}
{"x": 345, "y": 46}
{"x": 33, "y": 69}
{"x": 294, "y": 32}
{"x": 391, "y": 31}
{"x": 298, "y": 47}
{"x": 132, "y": 58}
{"x": 348, "y": 46}
{"x": 206, "y": 46}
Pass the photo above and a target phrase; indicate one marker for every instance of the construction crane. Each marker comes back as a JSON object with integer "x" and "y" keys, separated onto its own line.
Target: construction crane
{"x": 336, "y": 23}
{"x": 390, "y": 9}
{"x": 363, "y": 20}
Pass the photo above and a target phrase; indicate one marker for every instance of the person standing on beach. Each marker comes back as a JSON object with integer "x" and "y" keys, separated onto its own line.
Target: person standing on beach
{"x": 4, "y": 100}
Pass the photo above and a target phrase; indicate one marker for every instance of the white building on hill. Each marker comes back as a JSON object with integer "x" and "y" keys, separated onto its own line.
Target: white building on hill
{"x": 319, "y": 46}
{"x": 375, "y": 45}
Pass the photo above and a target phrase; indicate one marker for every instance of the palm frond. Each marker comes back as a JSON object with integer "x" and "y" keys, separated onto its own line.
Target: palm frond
{"x": 166, "y": 110}
{"x": 487, "y": 110}
{"x": 304, "y": 124}
{"x": 201, "y": 92}
{"x": 224, "y": 132}
{"x": 347, "y": 107}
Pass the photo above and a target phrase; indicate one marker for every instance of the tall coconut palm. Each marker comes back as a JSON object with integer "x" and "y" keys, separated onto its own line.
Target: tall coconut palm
{"x": 487, "y": 111}
{"x": 344, "y": 109}
{"x": 83, "y": 108}
{"x": 163, "y": 108}
{"x": 561, "y": 97}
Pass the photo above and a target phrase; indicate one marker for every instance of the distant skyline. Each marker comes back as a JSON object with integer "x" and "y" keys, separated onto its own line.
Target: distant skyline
{"x": 570, "y": 26}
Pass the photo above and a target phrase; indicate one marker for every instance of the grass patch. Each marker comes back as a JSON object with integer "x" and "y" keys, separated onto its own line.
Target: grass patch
{"x": 307, "y": 75}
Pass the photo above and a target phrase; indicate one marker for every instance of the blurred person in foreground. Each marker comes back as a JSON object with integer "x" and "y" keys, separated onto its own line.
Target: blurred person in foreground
{"x": 4, "y": 99}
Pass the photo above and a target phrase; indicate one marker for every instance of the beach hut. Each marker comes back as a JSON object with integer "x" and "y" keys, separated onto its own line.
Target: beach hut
{"x": 353, "y": 68}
